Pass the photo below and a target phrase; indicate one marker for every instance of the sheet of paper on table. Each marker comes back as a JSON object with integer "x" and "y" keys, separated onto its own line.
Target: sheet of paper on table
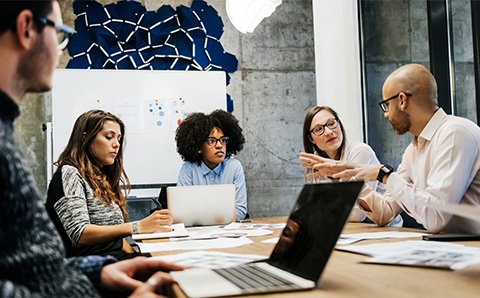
{"x": 210, "y": 259}
{"x": 418, "y": 253}
{"x": 381, "y": 249}
{"x": 193, "y": 244}
{"x": 352, "y": 238}
{"x": 273, "y": 240}
{"x": 178, "y": 230}
{"x": 253, "y": 226}
{"x": 230, "y": 229}
{"x": 432, "y": 258}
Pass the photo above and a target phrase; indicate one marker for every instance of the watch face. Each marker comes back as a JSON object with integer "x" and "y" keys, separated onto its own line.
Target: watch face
{"x": 384, "y": 170}
{"x": 387, "y": 169}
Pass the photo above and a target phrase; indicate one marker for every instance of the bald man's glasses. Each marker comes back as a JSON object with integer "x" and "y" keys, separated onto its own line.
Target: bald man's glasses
{"x": 384, "y": 103}
{"x": 63, "y": 32}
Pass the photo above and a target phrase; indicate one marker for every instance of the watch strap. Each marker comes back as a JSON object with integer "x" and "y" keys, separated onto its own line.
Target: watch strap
{"x": 134, "y": 227}
{"x": 383, "y": 171}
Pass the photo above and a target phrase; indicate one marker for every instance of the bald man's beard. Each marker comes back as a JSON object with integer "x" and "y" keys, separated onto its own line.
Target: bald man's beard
{"x": 400, "y": 123}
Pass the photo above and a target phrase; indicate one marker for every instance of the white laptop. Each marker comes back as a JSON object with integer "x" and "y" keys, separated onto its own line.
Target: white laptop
{"x": 299, "y": 257}
{"x": 202, "y": 205}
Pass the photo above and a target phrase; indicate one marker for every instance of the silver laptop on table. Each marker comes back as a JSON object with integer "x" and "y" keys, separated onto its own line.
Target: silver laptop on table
{"x": 300, "y": 255}
{"x": 202, "y": 205}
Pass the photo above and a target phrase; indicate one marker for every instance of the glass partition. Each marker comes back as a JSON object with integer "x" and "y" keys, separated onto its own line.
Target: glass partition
{"x": 394, "y": 33}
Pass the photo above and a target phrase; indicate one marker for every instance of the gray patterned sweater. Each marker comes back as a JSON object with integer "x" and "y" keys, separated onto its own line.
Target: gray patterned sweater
{"x": 32, "y": 258}
{"x": 72, "y": 206}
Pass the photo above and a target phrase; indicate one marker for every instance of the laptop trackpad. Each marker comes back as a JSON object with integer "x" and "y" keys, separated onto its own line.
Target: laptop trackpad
{"x": 204, "y": 282}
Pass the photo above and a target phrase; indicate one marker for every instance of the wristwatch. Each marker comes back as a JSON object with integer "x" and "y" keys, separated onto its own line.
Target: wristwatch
{"x": 384, "y": 170}
{"x": 134, "y": 227}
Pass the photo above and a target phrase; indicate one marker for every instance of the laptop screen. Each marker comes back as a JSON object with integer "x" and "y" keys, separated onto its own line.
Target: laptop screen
{"x": 313, "y": 228}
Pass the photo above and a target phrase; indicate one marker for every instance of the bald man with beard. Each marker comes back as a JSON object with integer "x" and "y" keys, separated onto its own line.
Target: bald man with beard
{"x": 441, "y": 164}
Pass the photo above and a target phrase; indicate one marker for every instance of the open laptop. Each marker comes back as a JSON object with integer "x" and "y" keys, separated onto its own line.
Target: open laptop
{"x": 202, "y": 205}
{"x": 300, "y": 255}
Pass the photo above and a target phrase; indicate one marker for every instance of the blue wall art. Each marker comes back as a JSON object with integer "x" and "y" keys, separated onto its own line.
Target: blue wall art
{"x": 124, "y": 35}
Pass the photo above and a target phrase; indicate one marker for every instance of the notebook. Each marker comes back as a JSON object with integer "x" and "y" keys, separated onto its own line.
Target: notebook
{"x": 202, "y": 205}
{"x": 299, "y": 256}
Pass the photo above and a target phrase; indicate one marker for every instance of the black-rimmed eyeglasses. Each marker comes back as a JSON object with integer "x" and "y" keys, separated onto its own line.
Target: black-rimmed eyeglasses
{"x": 63, "y": 32}
{"x": 211, "y": 141}
{"x": 319, "y": 129}
{"x": 384, "y": 103}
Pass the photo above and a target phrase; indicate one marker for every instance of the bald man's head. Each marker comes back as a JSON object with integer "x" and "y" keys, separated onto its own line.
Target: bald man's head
{"x": 414, "y": 79}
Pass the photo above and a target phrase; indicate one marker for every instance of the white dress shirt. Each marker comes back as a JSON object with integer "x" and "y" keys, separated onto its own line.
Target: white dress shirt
{"x": 440, "y": 165}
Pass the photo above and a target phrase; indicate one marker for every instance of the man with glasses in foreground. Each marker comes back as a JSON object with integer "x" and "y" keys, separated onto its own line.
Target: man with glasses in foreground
{"x": 32, "y": 262}
{"x": 441, "y": 165}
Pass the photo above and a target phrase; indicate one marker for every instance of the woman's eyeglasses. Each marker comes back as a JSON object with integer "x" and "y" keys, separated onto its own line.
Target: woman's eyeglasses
{"x": 211, "y": 141}
{"x": 318, "y": 130}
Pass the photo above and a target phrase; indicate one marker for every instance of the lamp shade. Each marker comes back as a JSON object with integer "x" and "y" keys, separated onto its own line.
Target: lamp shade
{"x": 245, "y": 15}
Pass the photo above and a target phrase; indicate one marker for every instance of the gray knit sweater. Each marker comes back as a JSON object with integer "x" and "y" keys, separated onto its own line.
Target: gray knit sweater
{"x": 72, "y": 206}
{"x": 32, "y": 262}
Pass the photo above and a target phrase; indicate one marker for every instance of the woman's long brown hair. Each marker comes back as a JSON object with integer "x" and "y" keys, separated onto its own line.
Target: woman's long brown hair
{"x": 106, "y": 181}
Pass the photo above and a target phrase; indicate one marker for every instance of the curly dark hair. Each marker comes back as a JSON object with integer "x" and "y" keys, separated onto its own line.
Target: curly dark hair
{"x": 9, "y": 11}
{"x": 196, "y": 128}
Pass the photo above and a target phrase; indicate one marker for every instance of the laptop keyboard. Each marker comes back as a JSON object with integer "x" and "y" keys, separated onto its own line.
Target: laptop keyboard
{"x": 252, "y": 279}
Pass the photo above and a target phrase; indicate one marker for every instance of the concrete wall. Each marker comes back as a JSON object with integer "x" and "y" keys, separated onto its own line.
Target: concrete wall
{"x": 272, "y": 89}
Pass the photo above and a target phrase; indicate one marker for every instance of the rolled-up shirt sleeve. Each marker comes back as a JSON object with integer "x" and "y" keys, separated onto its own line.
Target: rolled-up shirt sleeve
{"x": 380, "y": 210}
{"x": 448, "y": 178}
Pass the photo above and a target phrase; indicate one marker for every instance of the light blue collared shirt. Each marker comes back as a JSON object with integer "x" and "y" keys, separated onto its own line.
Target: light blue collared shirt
{"x": 229, "y": 171}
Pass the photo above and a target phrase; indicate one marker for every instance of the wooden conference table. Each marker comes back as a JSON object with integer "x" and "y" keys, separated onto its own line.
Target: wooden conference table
{"x": 346, "y": 276}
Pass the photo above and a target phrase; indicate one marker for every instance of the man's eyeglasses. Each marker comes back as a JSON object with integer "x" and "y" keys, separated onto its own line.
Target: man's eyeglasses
{"x": 63, "y": 32}
{"x": 318, "y": 130}
{"x": 211, "y": 141}
{"x": 384, "y": 103}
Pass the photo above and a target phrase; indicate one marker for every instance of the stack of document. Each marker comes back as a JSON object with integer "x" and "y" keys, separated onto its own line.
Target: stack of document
{"x": 419, "y": 253}
{"x": 196, "y": 238}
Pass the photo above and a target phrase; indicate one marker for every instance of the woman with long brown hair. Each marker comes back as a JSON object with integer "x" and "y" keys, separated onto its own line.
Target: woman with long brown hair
{"x": 86, "y": 196}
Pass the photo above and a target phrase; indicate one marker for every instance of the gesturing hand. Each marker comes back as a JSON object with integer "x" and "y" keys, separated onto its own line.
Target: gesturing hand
{"x": 322, "y": 167}
{"x": 359, "y": 172}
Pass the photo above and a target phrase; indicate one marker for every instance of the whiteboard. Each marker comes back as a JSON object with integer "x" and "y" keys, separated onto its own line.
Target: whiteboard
{"x": 150, "y": 103}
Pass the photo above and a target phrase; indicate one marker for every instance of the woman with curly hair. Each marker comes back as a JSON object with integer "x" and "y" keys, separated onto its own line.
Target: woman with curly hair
{"x": 85, "y": 197}
{"x": 207, "y": 144}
